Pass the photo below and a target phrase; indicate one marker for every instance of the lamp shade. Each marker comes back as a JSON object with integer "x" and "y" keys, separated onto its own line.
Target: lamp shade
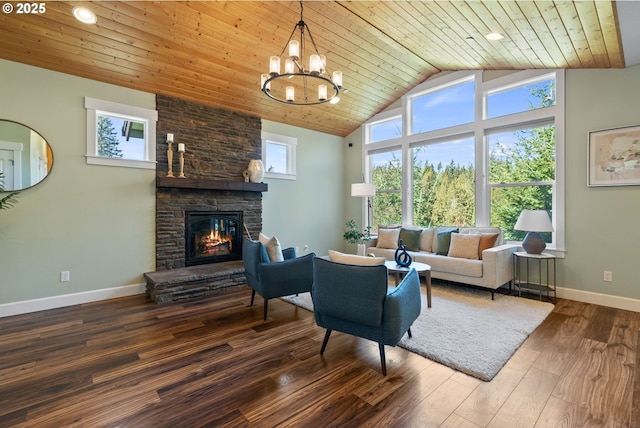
{"x": 534, "y": 221}
{"x": 363, "y": 189}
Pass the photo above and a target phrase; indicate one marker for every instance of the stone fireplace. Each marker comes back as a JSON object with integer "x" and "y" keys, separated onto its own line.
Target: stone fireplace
{"x": 219, "y": 145}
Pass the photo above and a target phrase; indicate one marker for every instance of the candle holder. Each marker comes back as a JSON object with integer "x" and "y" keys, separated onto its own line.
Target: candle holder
{"x": 170, "y": 159}
{"x": 182, "y": 166}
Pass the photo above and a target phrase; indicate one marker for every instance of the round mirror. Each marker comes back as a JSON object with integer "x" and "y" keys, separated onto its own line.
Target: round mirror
{"x": 25, "y": 156}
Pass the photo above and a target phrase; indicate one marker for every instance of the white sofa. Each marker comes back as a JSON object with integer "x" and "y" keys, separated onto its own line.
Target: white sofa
{"x": 455, "y": 260}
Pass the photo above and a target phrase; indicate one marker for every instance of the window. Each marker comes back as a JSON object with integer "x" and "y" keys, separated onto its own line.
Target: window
{"x": 528, "y": 96}
{"x": 443, "y": 107}
{"x": 120, "y": 135}
{"x": 279, "y": 156}
{"x": 478, "y": 150}
{"x": 444, "y": 183}
{"x": 387, "y": 177}
{"x": 386, "y": 129}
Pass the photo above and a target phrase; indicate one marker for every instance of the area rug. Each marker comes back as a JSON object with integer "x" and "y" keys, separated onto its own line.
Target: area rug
{"x": 466, "y": 330}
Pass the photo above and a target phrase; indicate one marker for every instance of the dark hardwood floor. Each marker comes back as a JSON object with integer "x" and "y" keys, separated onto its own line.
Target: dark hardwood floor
{"x": 215, "y": 362}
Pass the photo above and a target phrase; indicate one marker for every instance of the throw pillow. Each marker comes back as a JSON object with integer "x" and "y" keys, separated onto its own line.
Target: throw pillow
{"x": 411, "y": 238}
{"x": 388, "y": 238}
{"x": 443, "y": 240}
{"x": 426, "y": 240}
{"x": 353, "y": 259}
{"x": 464, "y": 246}
{"x": 487, "y": 240}
{"x": 274, "y": 249}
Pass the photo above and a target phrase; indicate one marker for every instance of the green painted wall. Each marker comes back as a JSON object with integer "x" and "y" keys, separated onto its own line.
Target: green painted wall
{"x": 308, "y": 211}
{"x": 602, "y": 223}
{"x": 93, "y": 221}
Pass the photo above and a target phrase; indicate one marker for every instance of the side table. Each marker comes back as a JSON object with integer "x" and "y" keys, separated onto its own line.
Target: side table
{"x": 423, "y": 269}
{"x": 524, "y": 278}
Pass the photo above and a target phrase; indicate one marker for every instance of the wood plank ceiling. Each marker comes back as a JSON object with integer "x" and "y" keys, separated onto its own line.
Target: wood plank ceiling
{"x": 214, "y": 52}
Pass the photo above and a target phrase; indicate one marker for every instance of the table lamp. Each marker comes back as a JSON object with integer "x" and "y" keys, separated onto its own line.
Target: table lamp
{"x": 534, "y": 221}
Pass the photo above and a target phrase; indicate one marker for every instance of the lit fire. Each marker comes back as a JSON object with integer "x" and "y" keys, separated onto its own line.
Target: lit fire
{"x": 214, "y": 242}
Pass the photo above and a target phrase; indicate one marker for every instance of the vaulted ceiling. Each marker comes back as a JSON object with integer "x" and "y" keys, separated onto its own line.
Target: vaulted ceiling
{"x": 214, "y": 52}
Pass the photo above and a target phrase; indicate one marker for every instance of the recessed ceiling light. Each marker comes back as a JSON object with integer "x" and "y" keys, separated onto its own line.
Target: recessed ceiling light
{"x": 84, "y": 15}
{"x": 494, "y": 36}
{"x": 335, "y": 100}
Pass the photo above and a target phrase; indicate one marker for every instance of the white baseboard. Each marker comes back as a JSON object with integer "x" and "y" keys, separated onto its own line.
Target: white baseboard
{"x": 600, "y": 299}
{"x": 26, "y": 306}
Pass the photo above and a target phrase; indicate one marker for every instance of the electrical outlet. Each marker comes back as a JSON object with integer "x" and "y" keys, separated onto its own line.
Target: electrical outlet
{"x": 608, "y": 276}
{"x": 65, "y": 276}
{"x": 306, "y": 248}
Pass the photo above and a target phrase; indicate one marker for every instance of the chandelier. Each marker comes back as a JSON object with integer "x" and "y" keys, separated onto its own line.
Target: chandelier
{"x": 312, "y": 84}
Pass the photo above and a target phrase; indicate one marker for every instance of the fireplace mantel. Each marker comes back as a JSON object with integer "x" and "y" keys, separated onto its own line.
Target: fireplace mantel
{"x": 206, "y": 184}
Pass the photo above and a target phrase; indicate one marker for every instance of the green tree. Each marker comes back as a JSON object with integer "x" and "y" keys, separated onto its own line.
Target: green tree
{"x": 107, "y": 139}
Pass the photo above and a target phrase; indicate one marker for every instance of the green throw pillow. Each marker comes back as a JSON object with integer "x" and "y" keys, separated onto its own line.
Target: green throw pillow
{"x": 443, "y": 240}
{"x": 411, "y": 238}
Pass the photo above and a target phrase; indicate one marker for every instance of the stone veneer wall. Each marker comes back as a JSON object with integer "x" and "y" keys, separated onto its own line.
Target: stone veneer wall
{"x": 219, "y": 145}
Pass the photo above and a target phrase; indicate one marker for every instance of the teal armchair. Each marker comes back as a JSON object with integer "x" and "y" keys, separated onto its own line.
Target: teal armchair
{"x": 292, "y": 276}
{"x": 357, "y": 300}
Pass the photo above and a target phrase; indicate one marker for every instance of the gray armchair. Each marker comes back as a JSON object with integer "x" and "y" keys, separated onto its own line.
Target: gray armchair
{"x": 292, "y": 276}
{"x": 356, "y": 300}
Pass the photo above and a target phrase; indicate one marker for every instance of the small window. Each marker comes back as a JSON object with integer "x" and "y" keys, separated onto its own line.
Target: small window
{"x": 443, "y": 107}
{"x": 120, "y": 135}
{"x": 520, "y": 98}
{"x": 279, "y": 156}
{"x": 385, "y": 130}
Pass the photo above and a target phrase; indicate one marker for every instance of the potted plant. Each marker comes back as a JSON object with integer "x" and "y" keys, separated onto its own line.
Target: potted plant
{"x": 9, "y": 200}
{"x": 354, "y": 236}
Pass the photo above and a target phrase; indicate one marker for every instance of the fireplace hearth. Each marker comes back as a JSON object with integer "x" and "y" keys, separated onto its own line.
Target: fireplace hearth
{"x": 212, "y": 236}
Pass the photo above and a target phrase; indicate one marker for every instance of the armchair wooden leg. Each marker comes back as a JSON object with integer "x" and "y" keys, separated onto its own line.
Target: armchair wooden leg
{"x": 326, "y": 339}
{"x": 266, "y": 302}
{"x": 383, "y": 359}
{"x": 409, "y": 333}
{"x": 253, "y": 295}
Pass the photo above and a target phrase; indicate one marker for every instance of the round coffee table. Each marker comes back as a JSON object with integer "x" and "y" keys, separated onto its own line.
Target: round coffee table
{"x": 423, "y": 269}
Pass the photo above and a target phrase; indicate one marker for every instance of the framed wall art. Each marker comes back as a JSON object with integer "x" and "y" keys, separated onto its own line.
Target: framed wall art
{"x": 614, "y": 157}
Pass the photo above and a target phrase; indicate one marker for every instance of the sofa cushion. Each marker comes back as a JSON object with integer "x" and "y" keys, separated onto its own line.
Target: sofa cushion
{"x": 410, "y": 238}
{"x": 487, "y": 240}
{"x": 388, "y": 238}
{"x": 464, "y": 246}
{"x": 443, "y": 240}
{"x": 426, "y": 240}
{"x": 352, "y": 259}
{"x": 274, "y": 249}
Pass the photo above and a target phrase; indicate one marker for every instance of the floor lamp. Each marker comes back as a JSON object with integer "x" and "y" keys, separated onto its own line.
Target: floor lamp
{"x": 364, "y": 190}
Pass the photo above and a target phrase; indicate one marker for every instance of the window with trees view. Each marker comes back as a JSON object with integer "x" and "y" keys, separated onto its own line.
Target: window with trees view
{"x": 120, "y": 135}
{"x": 480, "y": 152}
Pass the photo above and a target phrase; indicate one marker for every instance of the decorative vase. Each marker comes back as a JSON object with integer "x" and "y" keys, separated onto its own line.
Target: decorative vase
{"x": 361, "y": 249}
{"x": 256, "y": 171}
{"x": 403, "y": 258}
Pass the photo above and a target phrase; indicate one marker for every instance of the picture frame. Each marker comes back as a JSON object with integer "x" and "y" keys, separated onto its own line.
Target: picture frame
{"x": 614, "y": 157}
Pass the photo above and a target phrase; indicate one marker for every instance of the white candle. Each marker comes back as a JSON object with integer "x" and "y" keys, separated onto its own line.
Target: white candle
{"x": 181, "y": 147}
{"x": 169, "y": 138}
